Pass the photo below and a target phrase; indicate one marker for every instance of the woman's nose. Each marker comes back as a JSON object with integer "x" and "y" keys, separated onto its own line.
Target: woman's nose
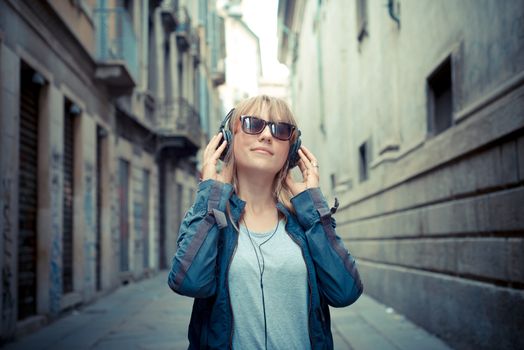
{"x": 266, "y": 134}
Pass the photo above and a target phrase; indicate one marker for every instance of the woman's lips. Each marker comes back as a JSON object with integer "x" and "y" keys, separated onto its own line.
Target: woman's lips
{"x": 262, "y": 151}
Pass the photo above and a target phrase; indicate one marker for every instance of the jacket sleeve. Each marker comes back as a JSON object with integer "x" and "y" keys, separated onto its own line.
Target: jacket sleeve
{"x": 193, "y": 270}
{"x": 337, "y": 273}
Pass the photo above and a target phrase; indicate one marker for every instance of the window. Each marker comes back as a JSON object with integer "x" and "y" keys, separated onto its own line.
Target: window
{"x": 168, "y": 88}
{"x": 127, "y": 5}
{"x": 364, "y": 153}
{"x": 123, "y": 199}
{"x": 102, "y": 145}
{"x": 151, "y": 73}
{"x": 31, "y": 84}
{"x": 440, "y": 99}
{"x": 145, "y": 216}
{"x": 71, "y": 111}
{"x": 362, "y": 19}
{"x": 180, "y": 67}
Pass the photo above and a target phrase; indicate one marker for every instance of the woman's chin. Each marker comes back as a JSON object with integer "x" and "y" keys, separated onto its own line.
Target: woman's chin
{"x": 268, "y": 166}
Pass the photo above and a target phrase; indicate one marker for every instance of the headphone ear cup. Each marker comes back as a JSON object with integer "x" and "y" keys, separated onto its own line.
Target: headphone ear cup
{"x": 226, "y": 135}
{"x": 293, "y": 156}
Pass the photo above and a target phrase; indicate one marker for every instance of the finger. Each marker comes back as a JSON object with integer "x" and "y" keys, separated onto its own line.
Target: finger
{"x": 301, "y": 155}
{"x": 309, "y": 155}
{"x": 213, "y": 144}
{"x": 302, "y": 166}
{"x": 304, "y": 159}
{"x": 311, "y": 162}
{"x": 219, "y": 150}
{"x": 214, "y": 139}
{"x": 207, "y": 151}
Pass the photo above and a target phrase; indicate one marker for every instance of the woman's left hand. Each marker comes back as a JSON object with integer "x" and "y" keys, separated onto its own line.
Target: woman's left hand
{"x": 309, "y": 167}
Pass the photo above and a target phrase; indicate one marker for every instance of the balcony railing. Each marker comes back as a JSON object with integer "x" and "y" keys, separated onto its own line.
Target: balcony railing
{"x": 194, "y": 48}
{"x": 179, "y": 125}
{"x": 116, "y": 46}
{"x": 183, "y": 28}
{"x": 176, "y": 18}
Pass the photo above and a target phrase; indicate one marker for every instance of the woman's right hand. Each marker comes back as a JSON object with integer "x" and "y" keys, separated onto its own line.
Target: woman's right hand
{"x": 210, "y": 160}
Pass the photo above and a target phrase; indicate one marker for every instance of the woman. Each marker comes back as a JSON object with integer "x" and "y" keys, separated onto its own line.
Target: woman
{"x": 258, "y": 250}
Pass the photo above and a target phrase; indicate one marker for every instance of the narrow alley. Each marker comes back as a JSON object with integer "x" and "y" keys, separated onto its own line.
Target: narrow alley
{"x": 407, "y": 117}
{"x": 148, "y": 315}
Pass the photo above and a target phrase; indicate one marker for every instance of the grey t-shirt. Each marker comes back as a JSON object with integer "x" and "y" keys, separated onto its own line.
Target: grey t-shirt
{"x": 285, "y": 292}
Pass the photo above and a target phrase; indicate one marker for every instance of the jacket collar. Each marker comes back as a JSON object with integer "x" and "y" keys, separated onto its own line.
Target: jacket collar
{"x": 237, "y": 206}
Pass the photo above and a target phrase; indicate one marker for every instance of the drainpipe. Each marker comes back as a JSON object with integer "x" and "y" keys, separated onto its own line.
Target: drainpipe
{"x": 320, "y": 72}
{"x": 392, "y": 14}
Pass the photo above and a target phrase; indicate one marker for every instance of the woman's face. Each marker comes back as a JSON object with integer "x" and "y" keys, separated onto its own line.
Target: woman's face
{"x": 261, "y": 152}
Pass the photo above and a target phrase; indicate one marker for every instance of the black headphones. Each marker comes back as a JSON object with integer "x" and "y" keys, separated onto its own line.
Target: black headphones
{"x": 227, "y": 135}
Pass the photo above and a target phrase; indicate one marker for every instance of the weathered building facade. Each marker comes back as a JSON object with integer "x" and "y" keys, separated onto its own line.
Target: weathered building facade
{"x": 415, "y": 110}
{"x": 243, "y": 57}
{"x": 104, "y": 105}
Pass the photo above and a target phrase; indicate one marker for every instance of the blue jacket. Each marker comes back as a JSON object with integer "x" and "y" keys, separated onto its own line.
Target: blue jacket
{"x": 206, "y": 244}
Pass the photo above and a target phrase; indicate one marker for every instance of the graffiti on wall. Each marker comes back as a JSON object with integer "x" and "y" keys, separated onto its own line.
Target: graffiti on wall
{"x": 90, "y": 228}
{"x": 113, "y": 190}
{"x": 55, "y": 290}
{"x": 8, "y": 307}
{"x": 138, "y": 212}
{"x": 113, "y": 233}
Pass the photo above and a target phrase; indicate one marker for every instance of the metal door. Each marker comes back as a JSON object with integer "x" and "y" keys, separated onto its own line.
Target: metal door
{"x": 68, "y": 203}
{"x": 145, "y": 218}
{"x": 28, "y": 194}
{"x": 100, "y": 136}
{"x": 123, "y": 191}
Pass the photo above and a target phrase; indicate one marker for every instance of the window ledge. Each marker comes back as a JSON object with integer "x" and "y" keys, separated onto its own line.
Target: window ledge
{"x": 393, "y": 152}
{"x": 503, "y": 89}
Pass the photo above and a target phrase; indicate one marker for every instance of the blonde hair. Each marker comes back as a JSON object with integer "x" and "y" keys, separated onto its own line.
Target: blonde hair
{"x": 277, "y": 110}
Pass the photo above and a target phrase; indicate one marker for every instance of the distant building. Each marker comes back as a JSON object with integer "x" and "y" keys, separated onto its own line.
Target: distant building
{"x": 104, "y": 105}
{"x": 243, "y": 61}
{"x": 274, "y": 86}
{"x": 415, "y": 110}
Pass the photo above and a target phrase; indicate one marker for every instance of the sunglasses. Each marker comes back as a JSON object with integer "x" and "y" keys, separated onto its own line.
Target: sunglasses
{"x": 254, "y": 126}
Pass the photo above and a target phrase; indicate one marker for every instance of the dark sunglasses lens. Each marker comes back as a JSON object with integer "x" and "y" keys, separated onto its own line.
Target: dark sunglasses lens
{"x": 252, "y": 125}
{"x": 282, "y": 131}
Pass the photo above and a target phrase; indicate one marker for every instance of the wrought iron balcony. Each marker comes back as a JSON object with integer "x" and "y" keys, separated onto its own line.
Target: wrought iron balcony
{"x": 168, "y": 9}
{"x": 178, "y": 127}
{"x": 183, "y": 29}
{"x": 116, "y": 49}
{"x": 194, "y": 48}
{"x": 176, "y": 18}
